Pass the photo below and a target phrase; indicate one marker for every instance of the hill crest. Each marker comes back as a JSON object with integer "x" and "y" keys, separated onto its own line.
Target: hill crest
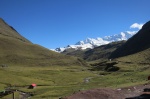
{"x": 9, "y": 31}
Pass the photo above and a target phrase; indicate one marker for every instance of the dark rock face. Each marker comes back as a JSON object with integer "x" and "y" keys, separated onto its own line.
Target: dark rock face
{"x": 137, "y": 43}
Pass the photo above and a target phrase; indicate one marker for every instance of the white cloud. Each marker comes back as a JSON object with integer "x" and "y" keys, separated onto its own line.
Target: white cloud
{"x": 131, "y": 32}
{"x": 136, "y": 25}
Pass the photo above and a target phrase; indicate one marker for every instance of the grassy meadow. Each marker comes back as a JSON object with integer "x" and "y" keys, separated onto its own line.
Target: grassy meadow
{"x": 60, "y": 81}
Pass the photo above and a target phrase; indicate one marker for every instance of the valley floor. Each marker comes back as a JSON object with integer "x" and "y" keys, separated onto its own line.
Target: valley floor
{"x": 54, "y": 82}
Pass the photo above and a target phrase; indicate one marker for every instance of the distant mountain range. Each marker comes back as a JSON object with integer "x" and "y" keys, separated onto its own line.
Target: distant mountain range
{"x": 135, "y": 48}
{"x": 91, "y": 43}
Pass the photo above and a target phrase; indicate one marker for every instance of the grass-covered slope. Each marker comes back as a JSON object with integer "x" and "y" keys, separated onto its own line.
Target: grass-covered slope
{"x": 102, "y": 52}
{"x": 9, "y": 31}
{"x": 74, "y": 52}
{"x": 13, "y": 51}
{"x": 17, "y": 50}
{"x": 142, "y": 57}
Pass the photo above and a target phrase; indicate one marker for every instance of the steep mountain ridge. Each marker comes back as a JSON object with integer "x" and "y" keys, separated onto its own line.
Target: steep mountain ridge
{"x": 9, "y": 31}
{"x": 17, "y": 50}
{"x": 137, "y": 43}
{"x": 102, "y": 52}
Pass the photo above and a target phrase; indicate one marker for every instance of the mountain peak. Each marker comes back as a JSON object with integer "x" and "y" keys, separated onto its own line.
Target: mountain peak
{"x": 94, "y": 42}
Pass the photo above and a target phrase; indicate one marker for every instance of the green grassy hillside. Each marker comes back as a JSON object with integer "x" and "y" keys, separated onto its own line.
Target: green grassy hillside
{"x": 13, "y": 51}
{"x": 142, "y": 57}
{"x": 73, "y": 52}
{"x": 17, "y": 50}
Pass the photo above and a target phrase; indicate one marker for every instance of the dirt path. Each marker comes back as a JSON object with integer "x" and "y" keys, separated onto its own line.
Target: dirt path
{"x": 106, "y": 93}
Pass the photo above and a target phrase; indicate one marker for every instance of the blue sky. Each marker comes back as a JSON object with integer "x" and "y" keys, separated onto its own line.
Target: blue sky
{"x": 58, "y": 23}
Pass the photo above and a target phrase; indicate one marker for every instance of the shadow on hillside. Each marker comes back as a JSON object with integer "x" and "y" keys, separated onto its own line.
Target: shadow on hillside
{"x": 105, "y": 66}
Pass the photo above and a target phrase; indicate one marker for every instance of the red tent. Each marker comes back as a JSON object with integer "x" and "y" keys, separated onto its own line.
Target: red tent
{"x": 34, "y": 85}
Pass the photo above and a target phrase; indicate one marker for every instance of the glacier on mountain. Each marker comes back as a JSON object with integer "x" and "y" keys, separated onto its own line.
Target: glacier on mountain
{"x": 94, "y": 42}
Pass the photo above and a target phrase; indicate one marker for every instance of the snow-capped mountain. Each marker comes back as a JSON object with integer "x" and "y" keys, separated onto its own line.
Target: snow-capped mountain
{"x": 94, "y": 42}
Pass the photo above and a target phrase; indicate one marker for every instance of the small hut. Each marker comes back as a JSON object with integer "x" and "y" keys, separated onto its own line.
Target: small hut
{"x": 32, "y": 86}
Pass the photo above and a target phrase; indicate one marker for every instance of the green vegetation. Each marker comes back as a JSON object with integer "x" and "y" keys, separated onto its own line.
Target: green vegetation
{"x": 23, "y": 63}
{"x": 52, "y": 82}
{"x": 59, "y": 81}
{"x": 15, "y": 52}
{"x": 57, "y": 75}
